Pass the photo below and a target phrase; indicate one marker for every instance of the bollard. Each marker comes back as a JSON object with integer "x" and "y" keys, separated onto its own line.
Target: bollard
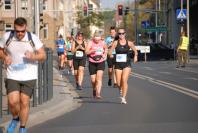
{"x": 40, "y": 83}
{"x": 50, "y": 74}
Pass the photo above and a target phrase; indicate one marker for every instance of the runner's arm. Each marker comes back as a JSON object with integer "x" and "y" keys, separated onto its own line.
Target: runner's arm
{"x": 114, "y": 44}
{"x": 38, "y": 55}
{"x": 132, "y": 46}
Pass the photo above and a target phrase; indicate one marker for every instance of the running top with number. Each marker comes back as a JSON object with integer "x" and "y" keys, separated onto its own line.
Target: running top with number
{"x": 68, "y": 47}
{"x": 21, "y": 69}
{"x": 109, "y": 41}
{"x": 79, "y": 54}
{"x": 122, "y": 53}
{"x": 60, "y": 45}
{"x": 97, "y": 56}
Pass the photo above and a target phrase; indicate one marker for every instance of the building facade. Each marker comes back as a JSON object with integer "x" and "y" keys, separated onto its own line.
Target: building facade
{"x": 57, "y": 17}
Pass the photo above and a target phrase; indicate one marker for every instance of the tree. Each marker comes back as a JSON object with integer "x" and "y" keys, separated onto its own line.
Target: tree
{"x": 93, "y": 19}
{"x": 108, "y": 21}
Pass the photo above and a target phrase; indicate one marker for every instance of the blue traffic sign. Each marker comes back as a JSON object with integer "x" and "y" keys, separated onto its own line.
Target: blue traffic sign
{"x": 181, "y": 14}
{"x": 145, "y": 24}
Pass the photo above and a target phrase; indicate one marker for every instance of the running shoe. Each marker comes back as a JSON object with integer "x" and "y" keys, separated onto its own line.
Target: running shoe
{"x": 123, "y": 100}
{"x": 110, "y": 82}
{"x": 115, "y": 86}
{"x": 22, "y": 130}
{"x": 94, "y": 93}
{"x": 12, "y": 126}
{"x": 78, "y": 87}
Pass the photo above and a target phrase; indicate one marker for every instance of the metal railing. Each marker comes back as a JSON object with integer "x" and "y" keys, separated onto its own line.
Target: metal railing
{"x": 44, "y": 88}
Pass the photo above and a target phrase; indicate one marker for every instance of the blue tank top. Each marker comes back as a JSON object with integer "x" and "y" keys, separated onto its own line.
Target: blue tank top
{"x": 60, "y": 45}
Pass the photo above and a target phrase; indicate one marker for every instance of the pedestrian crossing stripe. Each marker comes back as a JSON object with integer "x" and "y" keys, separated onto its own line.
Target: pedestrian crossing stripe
{"x": 181, "y": 15}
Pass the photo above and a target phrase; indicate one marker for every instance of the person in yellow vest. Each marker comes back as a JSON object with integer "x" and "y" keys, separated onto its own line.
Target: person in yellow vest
{"x": 182, "y": 50}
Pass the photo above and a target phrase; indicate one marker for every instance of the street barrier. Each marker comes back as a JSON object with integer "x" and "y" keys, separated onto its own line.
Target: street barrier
{"x": 44, "y": 88}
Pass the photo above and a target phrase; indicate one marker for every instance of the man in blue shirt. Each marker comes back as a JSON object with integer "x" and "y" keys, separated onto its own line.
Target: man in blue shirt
{"x": 111, "y": 61}
{"x": 60, "y": 44}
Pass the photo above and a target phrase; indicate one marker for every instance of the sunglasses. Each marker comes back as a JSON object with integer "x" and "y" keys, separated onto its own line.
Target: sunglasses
{"x": 121, "y": 33}
{"x": 22, "y": 31}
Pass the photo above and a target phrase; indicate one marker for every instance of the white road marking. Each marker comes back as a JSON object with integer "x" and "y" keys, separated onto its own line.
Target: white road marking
{"x": 148, "y": 68}
{"x": 186, "y": 70}
{"x": 191, "y": 78}
{"x": 167, "y": 73}
{"x": 171, "y": 86}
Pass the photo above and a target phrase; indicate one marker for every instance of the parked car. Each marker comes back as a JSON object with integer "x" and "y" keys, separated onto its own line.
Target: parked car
{"x": 158, "y": 52}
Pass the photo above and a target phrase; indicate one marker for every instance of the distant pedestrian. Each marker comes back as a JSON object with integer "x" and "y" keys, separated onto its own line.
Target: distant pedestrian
{"x": 70, "y": 54}
{"x": 182, "y": 50}
{"x": 60, "y": 44}
{"x": 96, "y": 50}
{"x": 123, "y": 62}
{"x": 79, "y": 59}
{"x": 20, "y": 50}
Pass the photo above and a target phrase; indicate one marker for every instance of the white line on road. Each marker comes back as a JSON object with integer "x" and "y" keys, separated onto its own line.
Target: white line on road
{"x": 191, "y": 78}
{"x": 148, "y": 68}
{"x": 174, "y": 87}
{"x": 167, "y": 73}
{"x": 186, "y": 70}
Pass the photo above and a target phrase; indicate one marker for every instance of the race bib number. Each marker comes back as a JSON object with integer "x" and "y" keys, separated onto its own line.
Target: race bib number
{"x": 18, "y": 67}
{"x": 99, "y": 52}
{"x": 79, "y": 53}
{"x": 60, "y": 46}
{"x": 121, "y": 57}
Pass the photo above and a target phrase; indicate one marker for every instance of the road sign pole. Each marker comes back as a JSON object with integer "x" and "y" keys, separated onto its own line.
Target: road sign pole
{"x": 188, "y": 29}
{"x": 182, "y": 28}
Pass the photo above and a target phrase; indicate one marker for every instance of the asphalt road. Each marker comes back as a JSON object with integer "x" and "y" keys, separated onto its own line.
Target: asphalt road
{"x": 161, "y": 99}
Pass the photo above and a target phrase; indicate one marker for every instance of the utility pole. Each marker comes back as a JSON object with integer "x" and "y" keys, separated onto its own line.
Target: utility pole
{"x": 135, "y": 23}
{"x": 188, "y": 20}
{"x": 156, "y": 17}
{"x": 36, "y": 17}
{"x": 16, "y": 8}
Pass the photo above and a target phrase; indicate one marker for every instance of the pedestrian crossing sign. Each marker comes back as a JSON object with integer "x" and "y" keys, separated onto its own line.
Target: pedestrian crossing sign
{"x": 181, "y": 14}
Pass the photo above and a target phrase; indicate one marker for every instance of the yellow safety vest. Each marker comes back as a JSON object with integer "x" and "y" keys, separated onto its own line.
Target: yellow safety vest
{"x": 184, "y": 44}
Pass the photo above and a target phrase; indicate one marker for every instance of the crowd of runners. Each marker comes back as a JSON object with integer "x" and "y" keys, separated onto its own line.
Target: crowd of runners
{"x": 75, "y": 52}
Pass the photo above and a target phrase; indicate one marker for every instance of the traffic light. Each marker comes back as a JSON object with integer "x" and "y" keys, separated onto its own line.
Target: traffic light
{"x": 120, "y": 10}
{"x": 85, "y": 10}
{"x": 126, "y": 10}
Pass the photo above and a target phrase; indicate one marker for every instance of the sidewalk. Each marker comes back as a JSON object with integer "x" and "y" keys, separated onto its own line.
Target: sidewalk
{"x": 63, "y": 101}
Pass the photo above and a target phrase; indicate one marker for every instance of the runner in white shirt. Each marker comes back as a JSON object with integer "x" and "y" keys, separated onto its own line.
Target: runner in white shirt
{"x": 20, "y": 55}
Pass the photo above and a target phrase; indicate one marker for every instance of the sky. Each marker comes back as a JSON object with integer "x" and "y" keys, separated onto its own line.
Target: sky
{"x": 112, "y": 3}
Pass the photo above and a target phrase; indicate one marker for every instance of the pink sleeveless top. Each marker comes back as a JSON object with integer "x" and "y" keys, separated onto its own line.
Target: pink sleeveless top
{"x": 99, "y": 48}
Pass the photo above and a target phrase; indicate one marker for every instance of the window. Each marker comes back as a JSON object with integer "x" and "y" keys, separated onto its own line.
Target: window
{"x": 45, "y": 5}
{"x": 45, "y": 30}
{"x": 24, "y": 4}
{"x": 7, "y": 5}
{"x": 8, "y": 27}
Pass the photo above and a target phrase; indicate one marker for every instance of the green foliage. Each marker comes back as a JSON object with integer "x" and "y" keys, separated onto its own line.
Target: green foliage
{"x": 128, "y": 23}
{"x": 108, "y": 21}
{"x": 93, "y": 19}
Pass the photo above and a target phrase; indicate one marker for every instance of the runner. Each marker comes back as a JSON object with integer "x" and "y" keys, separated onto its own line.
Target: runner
{"x": 96, "y": 50}
{"x": 20, "y": 51}
{"x": 60, "y": 44}
{"x": 70, "y": 55}
{"x": 79, "y": 59}
{"x": 111, "y": 61}
{"x": 123, "y": 62}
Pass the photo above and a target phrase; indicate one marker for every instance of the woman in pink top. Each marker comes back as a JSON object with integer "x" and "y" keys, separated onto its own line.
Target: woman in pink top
{"x": 96, "y": 50}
